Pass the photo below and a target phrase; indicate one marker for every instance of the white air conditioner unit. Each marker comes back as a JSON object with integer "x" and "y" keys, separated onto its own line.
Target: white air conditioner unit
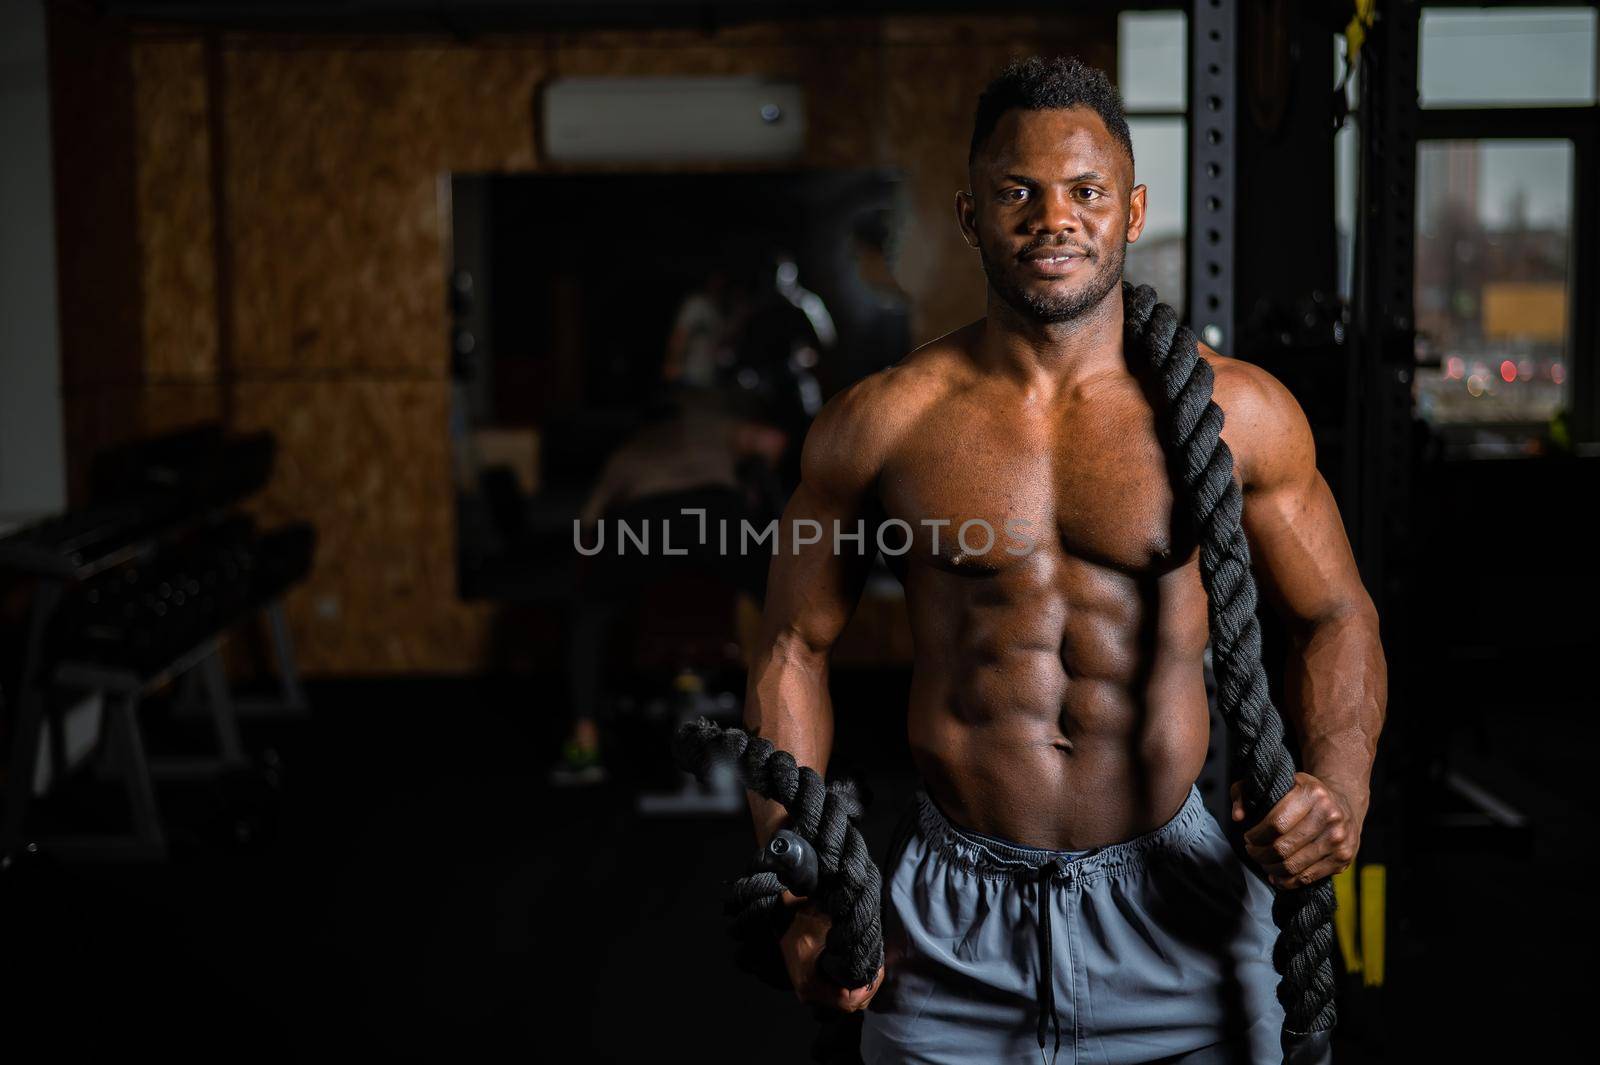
{"x": 689, "y": 119}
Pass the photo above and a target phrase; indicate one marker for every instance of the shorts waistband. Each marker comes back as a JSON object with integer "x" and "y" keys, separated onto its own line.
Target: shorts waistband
{"x": 998, "y": 859}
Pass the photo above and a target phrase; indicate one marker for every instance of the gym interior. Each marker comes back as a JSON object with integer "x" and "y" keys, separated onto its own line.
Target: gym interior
{"x": 326, "y": 327}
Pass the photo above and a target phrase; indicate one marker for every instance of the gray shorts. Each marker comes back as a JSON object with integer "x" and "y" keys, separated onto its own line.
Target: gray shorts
{"x": 1159, "y": 949}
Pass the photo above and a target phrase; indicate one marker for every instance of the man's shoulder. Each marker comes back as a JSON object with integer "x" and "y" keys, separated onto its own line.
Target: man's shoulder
{"x": 857, "y": 429}
{"x": 898, "y": 394}
{"x": 1262, "y": 421}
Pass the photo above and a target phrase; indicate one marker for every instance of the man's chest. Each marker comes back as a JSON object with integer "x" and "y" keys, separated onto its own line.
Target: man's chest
{"x": 982, "y": 487}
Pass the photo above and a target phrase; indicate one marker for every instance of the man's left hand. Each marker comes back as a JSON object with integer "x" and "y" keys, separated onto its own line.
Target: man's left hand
{"x": 1313, "y": 832}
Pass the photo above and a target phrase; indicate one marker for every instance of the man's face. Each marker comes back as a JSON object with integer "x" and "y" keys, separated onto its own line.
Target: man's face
{"x": 1051, "y": 212}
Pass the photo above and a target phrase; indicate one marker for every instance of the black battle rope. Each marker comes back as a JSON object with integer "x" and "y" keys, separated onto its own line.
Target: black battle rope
{"x": 1191, "y": 426}
{"x": 822, "y": 815}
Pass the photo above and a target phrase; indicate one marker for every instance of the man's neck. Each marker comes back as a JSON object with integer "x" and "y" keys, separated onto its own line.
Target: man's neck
{"x": 1052, "y": 355}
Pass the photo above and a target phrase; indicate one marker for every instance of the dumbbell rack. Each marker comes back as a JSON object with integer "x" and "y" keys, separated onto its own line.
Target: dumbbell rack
{"x": 130, "y": 598}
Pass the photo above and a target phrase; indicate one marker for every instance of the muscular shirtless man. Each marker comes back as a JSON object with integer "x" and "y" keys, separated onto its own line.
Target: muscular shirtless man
{"x": 1058, "y": 714}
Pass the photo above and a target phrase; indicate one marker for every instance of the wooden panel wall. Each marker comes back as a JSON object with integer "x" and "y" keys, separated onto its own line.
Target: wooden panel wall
{"x": 278, "y": 212}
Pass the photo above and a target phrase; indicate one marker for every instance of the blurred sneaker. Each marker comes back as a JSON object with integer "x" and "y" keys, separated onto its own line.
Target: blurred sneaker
{"x": 579, "y": 767}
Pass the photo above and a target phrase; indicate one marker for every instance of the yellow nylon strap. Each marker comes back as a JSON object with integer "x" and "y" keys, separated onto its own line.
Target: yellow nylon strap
{"x": 1356, "y": 32}
{"x": 1373, "y": 887}
{"x": 1345, "y": 918}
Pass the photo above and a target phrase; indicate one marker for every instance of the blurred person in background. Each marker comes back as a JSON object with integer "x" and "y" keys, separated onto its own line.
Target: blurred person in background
{"x": 697, "y": 450}
{"x": 779, "y": 347}
{"x": 698, "y": 346}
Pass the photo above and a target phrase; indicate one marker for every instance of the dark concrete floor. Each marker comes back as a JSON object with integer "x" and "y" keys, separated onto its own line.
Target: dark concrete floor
{"x": 411, "y": 887}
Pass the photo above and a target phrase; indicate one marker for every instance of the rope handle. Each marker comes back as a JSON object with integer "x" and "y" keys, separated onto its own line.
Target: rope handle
{"x": 823, "y": 816}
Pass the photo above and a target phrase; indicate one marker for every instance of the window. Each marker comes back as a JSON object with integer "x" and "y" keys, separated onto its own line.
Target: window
{"x": 1153, "y": 76}
{"x": 1506, "y": 142}
{"x": 1504, "y": 57}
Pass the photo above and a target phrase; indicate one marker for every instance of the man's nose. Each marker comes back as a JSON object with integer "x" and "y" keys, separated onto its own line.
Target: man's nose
{"x": 1054, "y": 212}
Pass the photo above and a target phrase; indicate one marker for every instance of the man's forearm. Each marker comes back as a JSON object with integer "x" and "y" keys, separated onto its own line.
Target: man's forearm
{"x": 1336, "y": 688}
{"x": 788, "y": 705}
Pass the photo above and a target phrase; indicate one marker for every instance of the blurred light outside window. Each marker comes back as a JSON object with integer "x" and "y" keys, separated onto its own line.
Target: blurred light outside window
{"x": 1346, "y": 172}
{"x": 1493, "y": 280}
{"x": 1501, "y": 57}
{"x": 1153, "y": 76}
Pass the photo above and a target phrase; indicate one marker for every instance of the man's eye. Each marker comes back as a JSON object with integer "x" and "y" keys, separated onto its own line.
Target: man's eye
{"x": 1094, "y": 194}
{"x": 1014, "y": 195}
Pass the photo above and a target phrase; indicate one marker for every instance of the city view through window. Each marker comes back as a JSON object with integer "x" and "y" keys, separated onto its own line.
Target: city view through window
{"x": 1493, "y": 280}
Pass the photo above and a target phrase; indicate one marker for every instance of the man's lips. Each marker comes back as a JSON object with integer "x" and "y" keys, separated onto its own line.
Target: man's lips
{"x": 1053, "y": 261}
{"x": 1052, "y": 251}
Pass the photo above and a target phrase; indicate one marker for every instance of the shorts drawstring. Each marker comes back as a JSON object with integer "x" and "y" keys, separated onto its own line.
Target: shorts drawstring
{"x": 1047, "y": 969}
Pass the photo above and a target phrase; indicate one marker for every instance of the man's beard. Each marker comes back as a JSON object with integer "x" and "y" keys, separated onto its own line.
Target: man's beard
{"x": 1050, "y": 305}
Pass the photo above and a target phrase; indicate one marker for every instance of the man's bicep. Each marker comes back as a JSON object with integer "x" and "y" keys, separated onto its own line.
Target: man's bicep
{"x": 1300, "y": 551}
{"x": 816, "y": 575}
{"x": 1297, "y": 538}
{"x": 813, "y": 585}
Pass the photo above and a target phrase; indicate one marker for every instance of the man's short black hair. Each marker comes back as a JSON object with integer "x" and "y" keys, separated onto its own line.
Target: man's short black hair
{"x": 1038, "y": 83}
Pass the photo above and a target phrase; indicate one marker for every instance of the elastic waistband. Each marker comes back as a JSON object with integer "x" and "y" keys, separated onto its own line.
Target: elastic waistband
{"x": 991, "y": 857}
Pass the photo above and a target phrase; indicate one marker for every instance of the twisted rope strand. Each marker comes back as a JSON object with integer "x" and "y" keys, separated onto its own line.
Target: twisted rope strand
{"x": 1191, "y": 428}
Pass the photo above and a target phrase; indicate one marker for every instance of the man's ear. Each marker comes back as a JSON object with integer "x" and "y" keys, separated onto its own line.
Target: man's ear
{"x": 1136, "y": 204}
{"x": 967, "y": 217}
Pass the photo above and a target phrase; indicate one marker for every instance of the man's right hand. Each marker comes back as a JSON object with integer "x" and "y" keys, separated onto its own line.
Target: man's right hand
{"x": 802, "y": 945}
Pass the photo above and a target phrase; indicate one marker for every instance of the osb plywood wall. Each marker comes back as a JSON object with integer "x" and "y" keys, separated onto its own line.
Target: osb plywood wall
{"x": 255, "y": 227}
